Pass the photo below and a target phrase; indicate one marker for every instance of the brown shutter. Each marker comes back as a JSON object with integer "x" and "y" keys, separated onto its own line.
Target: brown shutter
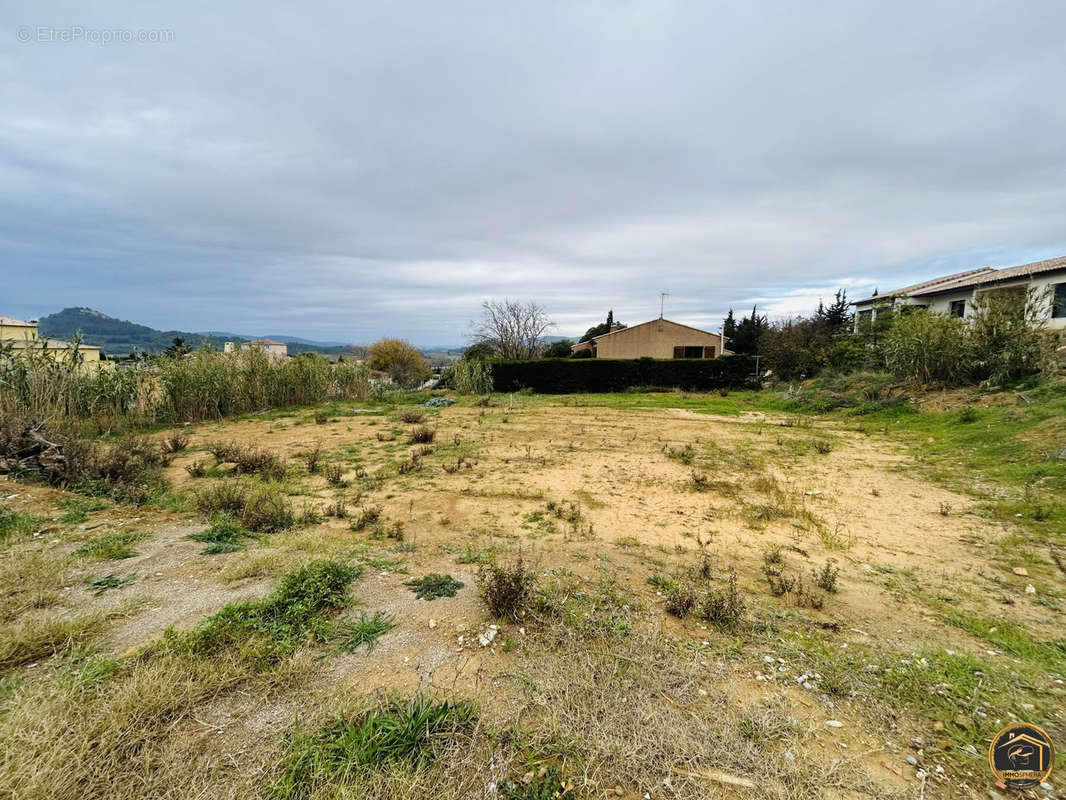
{"x": 708, "y": 352}
{"x": 679, "y": 352}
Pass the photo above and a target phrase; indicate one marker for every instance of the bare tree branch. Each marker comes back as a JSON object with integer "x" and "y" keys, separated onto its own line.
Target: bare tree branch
{"x": 513, "y": 330}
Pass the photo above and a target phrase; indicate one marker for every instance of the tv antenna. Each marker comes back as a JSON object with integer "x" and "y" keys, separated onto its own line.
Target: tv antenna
{"x": 662, "y": 302}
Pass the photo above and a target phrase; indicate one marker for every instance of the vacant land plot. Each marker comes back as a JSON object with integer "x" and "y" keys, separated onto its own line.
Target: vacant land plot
{"x": 635, "y": 596}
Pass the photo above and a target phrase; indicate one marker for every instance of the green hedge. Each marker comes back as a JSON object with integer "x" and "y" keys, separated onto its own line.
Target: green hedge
{"x": 565, "y": 375}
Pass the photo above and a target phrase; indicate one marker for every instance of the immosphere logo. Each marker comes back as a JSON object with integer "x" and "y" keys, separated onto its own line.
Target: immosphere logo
{"x": 1021, "y": 755}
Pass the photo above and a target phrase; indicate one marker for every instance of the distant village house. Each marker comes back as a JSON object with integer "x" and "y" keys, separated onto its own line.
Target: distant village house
{"x": 268, "y": 346}
{"x": 23, "y": 337}
{"x": 659, "y": 338}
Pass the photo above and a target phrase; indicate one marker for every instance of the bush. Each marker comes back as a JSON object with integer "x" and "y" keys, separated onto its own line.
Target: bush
{"x": 412, "y": 416}
{"x": 507, "y": 591}
{"x": 927, "y": 347}
{"x": 567, "y": 375}
{"x": 725, "y": 609}
{"x": 1007, "y": 336}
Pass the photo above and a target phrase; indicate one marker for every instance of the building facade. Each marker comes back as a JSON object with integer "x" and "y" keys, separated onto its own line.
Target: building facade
{"x": 659, "y": 338}
{"x": 955, "y": 294}
{"x": 22, "y": 337}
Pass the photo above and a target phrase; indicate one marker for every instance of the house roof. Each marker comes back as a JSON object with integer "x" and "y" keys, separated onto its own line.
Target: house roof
{"x": 916, "y": 288}
{"x": 265, "y": 342}
{"x": 997, "y": 275}
{"x": 650, "y": 322}
{"x": 49, "y": 344}
{"x": 973, "y": 277}
{"x": 16, "y": 322}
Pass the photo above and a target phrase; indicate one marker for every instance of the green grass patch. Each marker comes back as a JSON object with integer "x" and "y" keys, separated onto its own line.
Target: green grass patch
{"x": 268, "y": 629}
{"x": 225, "y": 535}
{"x": 322, "y": 762}
{"x": 101, "y": 585}
{"x": 350, "y": 636}
{"x": 77, "y": 509}
{"x": 17, "y": 524}
{"x": 112, "y": 546}
{"x": 434, "y": 585}
{"x": 1011, "y": 638}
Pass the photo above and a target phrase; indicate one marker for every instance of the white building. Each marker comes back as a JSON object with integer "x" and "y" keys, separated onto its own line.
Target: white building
{"x": 268, "y": 346}
{"x": 954, "y": 294}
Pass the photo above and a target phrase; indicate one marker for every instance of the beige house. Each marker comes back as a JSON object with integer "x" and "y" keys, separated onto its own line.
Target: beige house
{"x": 955, "y": 294}
{"x": 268, "y": 346}
{"x": 22, "y": 337}
{"x": 659, "y": 338}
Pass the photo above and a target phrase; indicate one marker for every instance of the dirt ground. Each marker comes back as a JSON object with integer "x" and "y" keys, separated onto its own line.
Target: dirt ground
{"x": 584, "y": 494}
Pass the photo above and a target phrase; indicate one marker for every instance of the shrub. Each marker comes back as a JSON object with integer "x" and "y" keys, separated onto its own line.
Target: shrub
{"x": 681, "y": 600}
{"x": 470, "y": 376}
{"x": 724, "y": 609}
{"x": 175, "y": 442}
{"x": 412, "y": 416}
{"x": 401, "y": 360}
{"x": 335, "y": 475}
{"x": 507, "y": 591}
{"x": 366, "y": 517}
{"x": 421, "y": 435}
{"x": 268, "y": 510}
{"x": 264, "y": 508}
{"x": 566, "y": 375}
{"x": 826, "y": 577}
{"x": 312, "y": 457}
{"x": 196, "y": 469}
{"x": 1007, "y": 336}
{"x": 700, "y": 482}
{"x": 928, "y": 347}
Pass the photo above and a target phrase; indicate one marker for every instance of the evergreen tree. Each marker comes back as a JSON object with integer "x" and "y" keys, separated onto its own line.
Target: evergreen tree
{"x": 729, "y": 325}
{"x": 749, "y": 334}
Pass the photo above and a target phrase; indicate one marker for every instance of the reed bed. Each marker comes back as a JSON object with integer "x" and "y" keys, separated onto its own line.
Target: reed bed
{"x": 203, "y": 385}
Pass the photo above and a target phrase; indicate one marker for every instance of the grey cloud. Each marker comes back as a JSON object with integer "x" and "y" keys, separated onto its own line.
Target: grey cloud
{"x": 363, "y": 169}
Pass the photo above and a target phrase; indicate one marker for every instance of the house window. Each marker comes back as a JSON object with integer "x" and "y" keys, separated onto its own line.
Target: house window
{"x": 1058, "y": 302}
{"x": 865, "y": 319}
{"x": 957, "y": 308}
{"x": 691, "y": 351}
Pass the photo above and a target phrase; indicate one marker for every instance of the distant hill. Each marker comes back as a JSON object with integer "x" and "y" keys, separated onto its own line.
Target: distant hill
{"x": 119, "y": 337}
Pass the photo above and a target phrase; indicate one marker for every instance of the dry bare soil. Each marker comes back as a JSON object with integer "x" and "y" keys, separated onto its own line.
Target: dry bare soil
{"x": 886, "y": 629}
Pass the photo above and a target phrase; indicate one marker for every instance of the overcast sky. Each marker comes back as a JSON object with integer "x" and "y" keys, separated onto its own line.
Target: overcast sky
{"x": 358, "y": 169}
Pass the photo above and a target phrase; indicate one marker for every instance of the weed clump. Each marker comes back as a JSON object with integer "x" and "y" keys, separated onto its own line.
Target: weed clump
{"x": 390, "y": 733}
{"x": 248, "y": 459}
{"x": 421, "y": 435}
{"x": 827, "y": 577}
{"x": 350, "y": 636}
{"x": 335, "y": 475}
{"x": 507, "y": 591}
{"x": 434, "y": 585}
{"x": 547, "y": 784}
{"x": 312, "y": 457}
{"x": 196, "y": 469}
{"x": 366, "y": 517}
{"x": 412, "y": 416}
{"x": 724, "y": 609}
{"x": 264, "y": 508}
{"x": 681, "y": 599}
{"x": 175, "y": 442}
